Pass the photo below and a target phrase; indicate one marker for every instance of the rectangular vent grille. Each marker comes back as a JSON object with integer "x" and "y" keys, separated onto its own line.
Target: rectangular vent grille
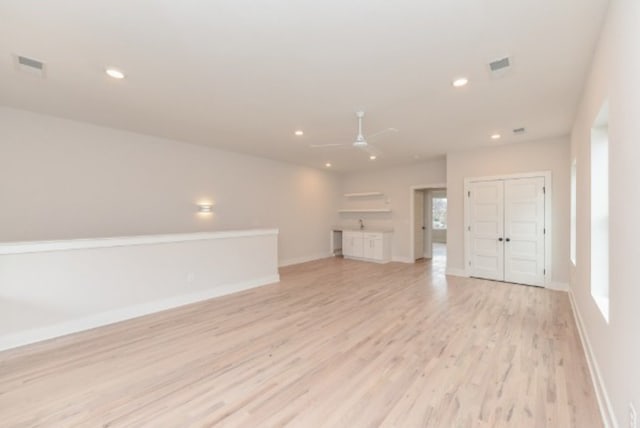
{"x": 500, "y": 64}
{"x": 29, "y": 66}
{"x": 30, "y": 62}
{"x": 519, "y": 131}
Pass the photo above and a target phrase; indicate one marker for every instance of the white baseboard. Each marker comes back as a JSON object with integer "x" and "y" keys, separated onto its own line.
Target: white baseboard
{"x": 298, "y": 260}
{"x": 15, "y": 340}
{"x": 558, "y": 286}
{"x": 402, "y": 259}
{"x": 456, "y": 272}
{"x": 606, "y": 410}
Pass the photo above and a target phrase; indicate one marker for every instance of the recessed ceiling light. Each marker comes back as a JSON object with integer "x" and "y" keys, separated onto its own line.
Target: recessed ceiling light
{"x": 496, "y": 136}
{"x": 460, "y": 82}
{"x": 299, "y": 132}
{"x": 328, "y": 164}
{"x": 373, "y": 157}
{"x": 115, "y": 73}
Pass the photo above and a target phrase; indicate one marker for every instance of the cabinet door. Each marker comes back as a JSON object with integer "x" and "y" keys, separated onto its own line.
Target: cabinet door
{"x": 377, "y": 250}
{"x": 347, "y": 244}
{"x": 373, "y": 246}
{"x": 352, "y": 244}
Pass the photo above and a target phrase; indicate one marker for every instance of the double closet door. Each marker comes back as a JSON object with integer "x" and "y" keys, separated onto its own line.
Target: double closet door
{"x": 506, "y": 229}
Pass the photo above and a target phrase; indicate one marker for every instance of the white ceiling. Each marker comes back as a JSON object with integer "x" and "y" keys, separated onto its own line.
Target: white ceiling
{"x": 243, "y": 75}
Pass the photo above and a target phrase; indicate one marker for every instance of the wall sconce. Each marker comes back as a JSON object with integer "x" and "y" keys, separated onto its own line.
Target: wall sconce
{"x": 205, "y": 208}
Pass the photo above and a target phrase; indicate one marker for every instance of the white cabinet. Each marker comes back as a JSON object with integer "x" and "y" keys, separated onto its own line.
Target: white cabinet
{"x": 369, "y": 246}
{"x": 373, "y": 246}
{"x": 352, "y": 244}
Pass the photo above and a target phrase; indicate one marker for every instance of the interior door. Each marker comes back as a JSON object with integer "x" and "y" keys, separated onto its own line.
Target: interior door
{"x": 524, "y": 231}
{"x": 486, "y": 223}
{"x": 418, "y": 224}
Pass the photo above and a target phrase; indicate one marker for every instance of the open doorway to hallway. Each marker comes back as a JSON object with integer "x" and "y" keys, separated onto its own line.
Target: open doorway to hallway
{"x": 438, "y": 224}
{"x": 429, "y": 223}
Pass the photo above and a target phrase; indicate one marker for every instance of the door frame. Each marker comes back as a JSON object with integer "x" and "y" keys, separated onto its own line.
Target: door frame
{"x": 547, "y": 217}
{"x": 412, "y": 220}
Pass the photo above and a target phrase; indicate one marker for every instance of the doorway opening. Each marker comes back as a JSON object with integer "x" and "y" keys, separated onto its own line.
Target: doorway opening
{"x": 429, "y": 223}
{"x": 438, "y": 223}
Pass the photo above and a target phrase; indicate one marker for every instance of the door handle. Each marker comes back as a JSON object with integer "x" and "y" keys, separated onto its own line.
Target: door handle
{"x": 508, "y": 240}
{"x": 500, "y": 239}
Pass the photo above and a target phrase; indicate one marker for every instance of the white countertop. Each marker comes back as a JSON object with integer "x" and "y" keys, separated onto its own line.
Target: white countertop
{"x": 366, "y": 229}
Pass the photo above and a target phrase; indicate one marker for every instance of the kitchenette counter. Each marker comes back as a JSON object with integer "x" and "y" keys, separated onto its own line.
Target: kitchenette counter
{"x": 366, "y": 229}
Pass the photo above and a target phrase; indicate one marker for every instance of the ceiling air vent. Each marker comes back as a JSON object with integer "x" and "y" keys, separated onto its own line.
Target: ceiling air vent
{"x": 499, "y": 64}
{"x": 30, "y": 65}
{"x": 519, "y": 131}
{"x": 500, "y": 67}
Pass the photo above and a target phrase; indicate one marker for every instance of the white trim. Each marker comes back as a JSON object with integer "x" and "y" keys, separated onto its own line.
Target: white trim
{"x": 365, "y": 210}
{"x": 412, "y": 219}
{"x": 305, "y": 259}
{"x": 362, "y": 194}
{"x": 606, "y": 409}
{"x": 364, "y": 259}
{"x": 121, "y": 241}
{"x": 548, "y": 183}
{"x": 457, "y": 272}
{"x": 402, "y": 259}
{"x": 62, "y": 329}
{"x": 558, "y": 286}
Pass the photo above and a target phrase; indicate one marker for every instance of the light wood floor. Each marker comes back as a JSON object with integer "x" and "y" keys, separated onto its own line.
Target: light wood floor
{"x": 337, "y": 343}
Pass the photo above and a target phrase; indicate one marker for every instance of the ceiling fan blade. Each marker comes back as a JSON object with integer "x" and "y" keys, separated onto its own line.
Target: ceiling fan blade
{"x": 384, "y": 131}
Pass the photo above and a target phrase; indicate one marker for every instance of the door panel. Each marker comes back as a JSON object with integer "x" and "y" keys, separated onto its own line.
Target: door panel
{"x": 524, "y": 229}
{"x": 373, "y": 248}
{"x": 486, "y": 215}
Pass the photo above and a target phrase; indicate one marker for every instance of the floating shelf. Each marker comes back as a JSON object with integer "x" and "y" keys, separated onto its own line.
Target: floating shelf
{"x": 362, "y": 194}
{"x": 366, "y": 210}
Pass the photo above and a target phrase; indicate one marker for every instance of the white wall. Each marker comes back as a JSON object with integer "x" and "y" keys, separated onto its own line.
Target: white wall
{"x": 548, "y": 155}
{"x": 395, "y": 183}
{"x": 614, "y": 347}
{"x": 57, "y": 288}
{"x": 61, "y": 179}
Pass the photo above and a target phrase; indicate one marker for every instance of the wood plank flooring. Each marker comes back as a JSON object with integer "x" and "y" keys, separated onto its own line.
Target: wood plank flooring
{"x": 336, "y": 343}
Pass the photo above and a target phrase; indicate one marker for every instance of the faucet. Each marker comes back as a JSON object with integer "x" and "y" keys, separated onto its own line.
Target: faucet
{"x": 361, "y": 224}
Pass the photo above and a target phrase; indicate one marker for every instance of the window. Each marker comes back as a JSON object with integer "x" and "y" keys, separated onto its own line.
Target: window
{"x": 600, "y": 212}
{"x": 573, "y": 211}
{"x": 440, "y": 213}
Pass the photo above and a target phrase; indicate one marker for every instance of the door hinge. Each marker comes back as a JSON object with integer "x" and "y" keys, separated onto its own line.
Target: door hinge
{"x": 544, "y": 231}
{"x": 544, "y": 190}
{"x": 544, "y": 271}
{"x": 469, "y": 228}
{"x": 468, "y": 193}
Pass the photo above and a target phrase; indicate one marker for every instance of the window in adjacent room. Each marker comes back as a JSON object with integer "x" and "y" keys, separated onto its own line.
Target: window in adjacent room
{"x": 440, "y": 213}
{"x": 600, "y": 211}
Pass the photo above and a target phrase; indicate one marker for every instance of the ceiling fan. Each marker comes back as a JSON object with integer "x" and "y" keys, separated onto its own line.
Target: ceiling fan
{"x": 360, "y": 141}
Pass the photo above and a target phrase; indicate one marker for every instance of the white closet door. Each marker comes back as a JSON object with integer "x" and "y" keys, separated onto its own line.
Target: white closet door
{"x": 486, "y": 216}
{"x": 524, "y": 231}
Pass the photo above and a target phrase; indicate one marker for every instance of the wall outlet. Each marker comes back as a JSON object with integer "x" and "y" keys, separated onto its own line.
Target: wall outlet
{"x": 633, "y": 418}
